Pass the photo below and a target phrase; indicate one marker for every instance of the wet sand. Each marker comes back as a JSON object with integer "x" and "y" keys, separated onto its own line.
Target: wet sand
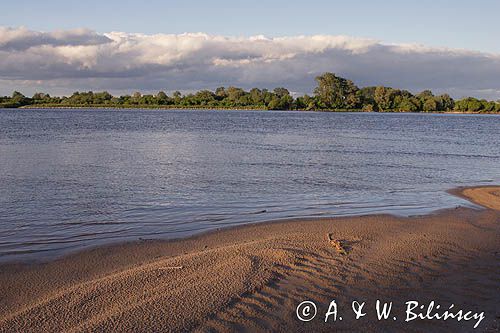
{"x": 252, "y": 278}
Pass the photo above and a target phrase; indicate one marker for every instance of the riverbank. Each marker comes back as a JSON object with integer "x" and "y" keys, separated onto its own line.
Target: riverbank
{"x": 174, "y": 107}
{"x": 253, "y": 277}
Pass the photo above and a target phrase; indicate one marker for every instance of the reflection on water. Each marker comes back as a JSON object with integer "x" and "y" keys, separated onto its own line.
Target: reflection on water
{"x": 76, "y": 178}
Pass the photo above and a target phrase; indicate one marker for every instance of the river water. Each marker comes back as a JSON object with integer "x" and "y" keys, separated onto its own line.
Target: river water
{"x": 70, "y": 179}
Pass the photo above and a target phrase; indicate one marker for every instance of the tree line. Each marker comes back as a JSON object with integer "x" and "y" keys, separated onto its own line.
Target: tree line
{"x": 332, "y": 93}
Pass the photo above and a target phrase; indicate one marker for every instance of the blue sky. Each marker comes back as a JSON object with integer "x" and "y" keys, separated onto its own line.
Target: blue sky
{"x": 124, "y": 46}
{"x": 459, "y": 24}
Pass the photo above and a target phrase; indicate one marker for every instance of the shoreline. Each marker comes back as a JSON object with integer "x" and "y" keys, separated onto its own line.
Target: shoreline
{"x": 119, "y": 243}
{"x": 213, "y": 276}
{"x": 145, "y": 107}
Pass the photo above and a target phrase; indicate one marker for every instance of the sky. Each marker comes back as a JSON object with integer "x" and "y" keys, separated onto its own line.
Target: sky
{"x": 122, "y": 46}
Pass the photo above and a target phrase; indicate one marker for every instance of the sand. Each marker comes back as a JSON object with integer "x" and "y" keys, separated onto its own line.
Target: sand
{"x": 484, "y": 196}
{"x": 252, "y": 278}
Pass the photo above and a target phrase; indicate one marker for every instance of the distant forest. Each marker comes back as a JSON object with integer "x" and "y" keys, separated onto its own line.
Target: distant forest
{"x": 333, "y": 93}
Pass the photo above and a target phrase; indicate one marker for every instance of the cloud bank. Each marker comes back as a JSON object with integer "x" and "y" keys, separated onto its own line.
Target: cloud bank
{"x": 64, "y": 61}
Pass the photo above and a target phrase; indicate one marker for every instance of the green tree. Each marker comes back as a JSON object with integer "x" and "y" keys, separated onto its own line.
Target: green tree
{"x": 468, "y": 104}
{"x": 19, "y": 99}
{"x": 256, "y": 96}
{"x": 429, "y": 104}
{"x": 177, "y": 96}
{"x": 220, "y": 93}
{"x": 162, "y": 98}
{"x": 409, "y": 104}
{"x": 425, "y": 95}
{"x": 204, "y": 97}
{"x": 233, "y": 96}
{"x": 383, "y": 98}
{"x": 444, "y": 102}
{"x": 334, "y": 92}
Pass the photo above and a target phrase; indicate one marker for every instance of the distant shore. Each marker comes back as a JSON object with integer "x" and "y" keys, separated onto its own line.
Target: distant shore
{"x": 253, "y": 277}
{"x": 145, "y": 107}
{"x": 332, "y": 92}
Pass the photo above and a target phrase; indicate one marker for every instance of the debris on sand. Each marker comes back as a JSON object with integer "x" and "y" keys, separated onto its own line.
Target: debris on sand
{"x": 339, "y": 245}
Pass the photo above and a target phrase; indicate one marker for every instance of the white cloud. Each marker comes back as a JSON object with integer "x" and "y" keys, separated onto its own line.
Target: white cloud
{"x": 64, "y": 61}
{"x": 21, "y": 38}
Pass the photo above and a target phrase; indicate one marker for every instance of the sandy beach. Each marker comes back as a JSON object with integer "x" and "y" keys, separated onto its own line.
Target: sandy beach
{"x": 252, "y": 278}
